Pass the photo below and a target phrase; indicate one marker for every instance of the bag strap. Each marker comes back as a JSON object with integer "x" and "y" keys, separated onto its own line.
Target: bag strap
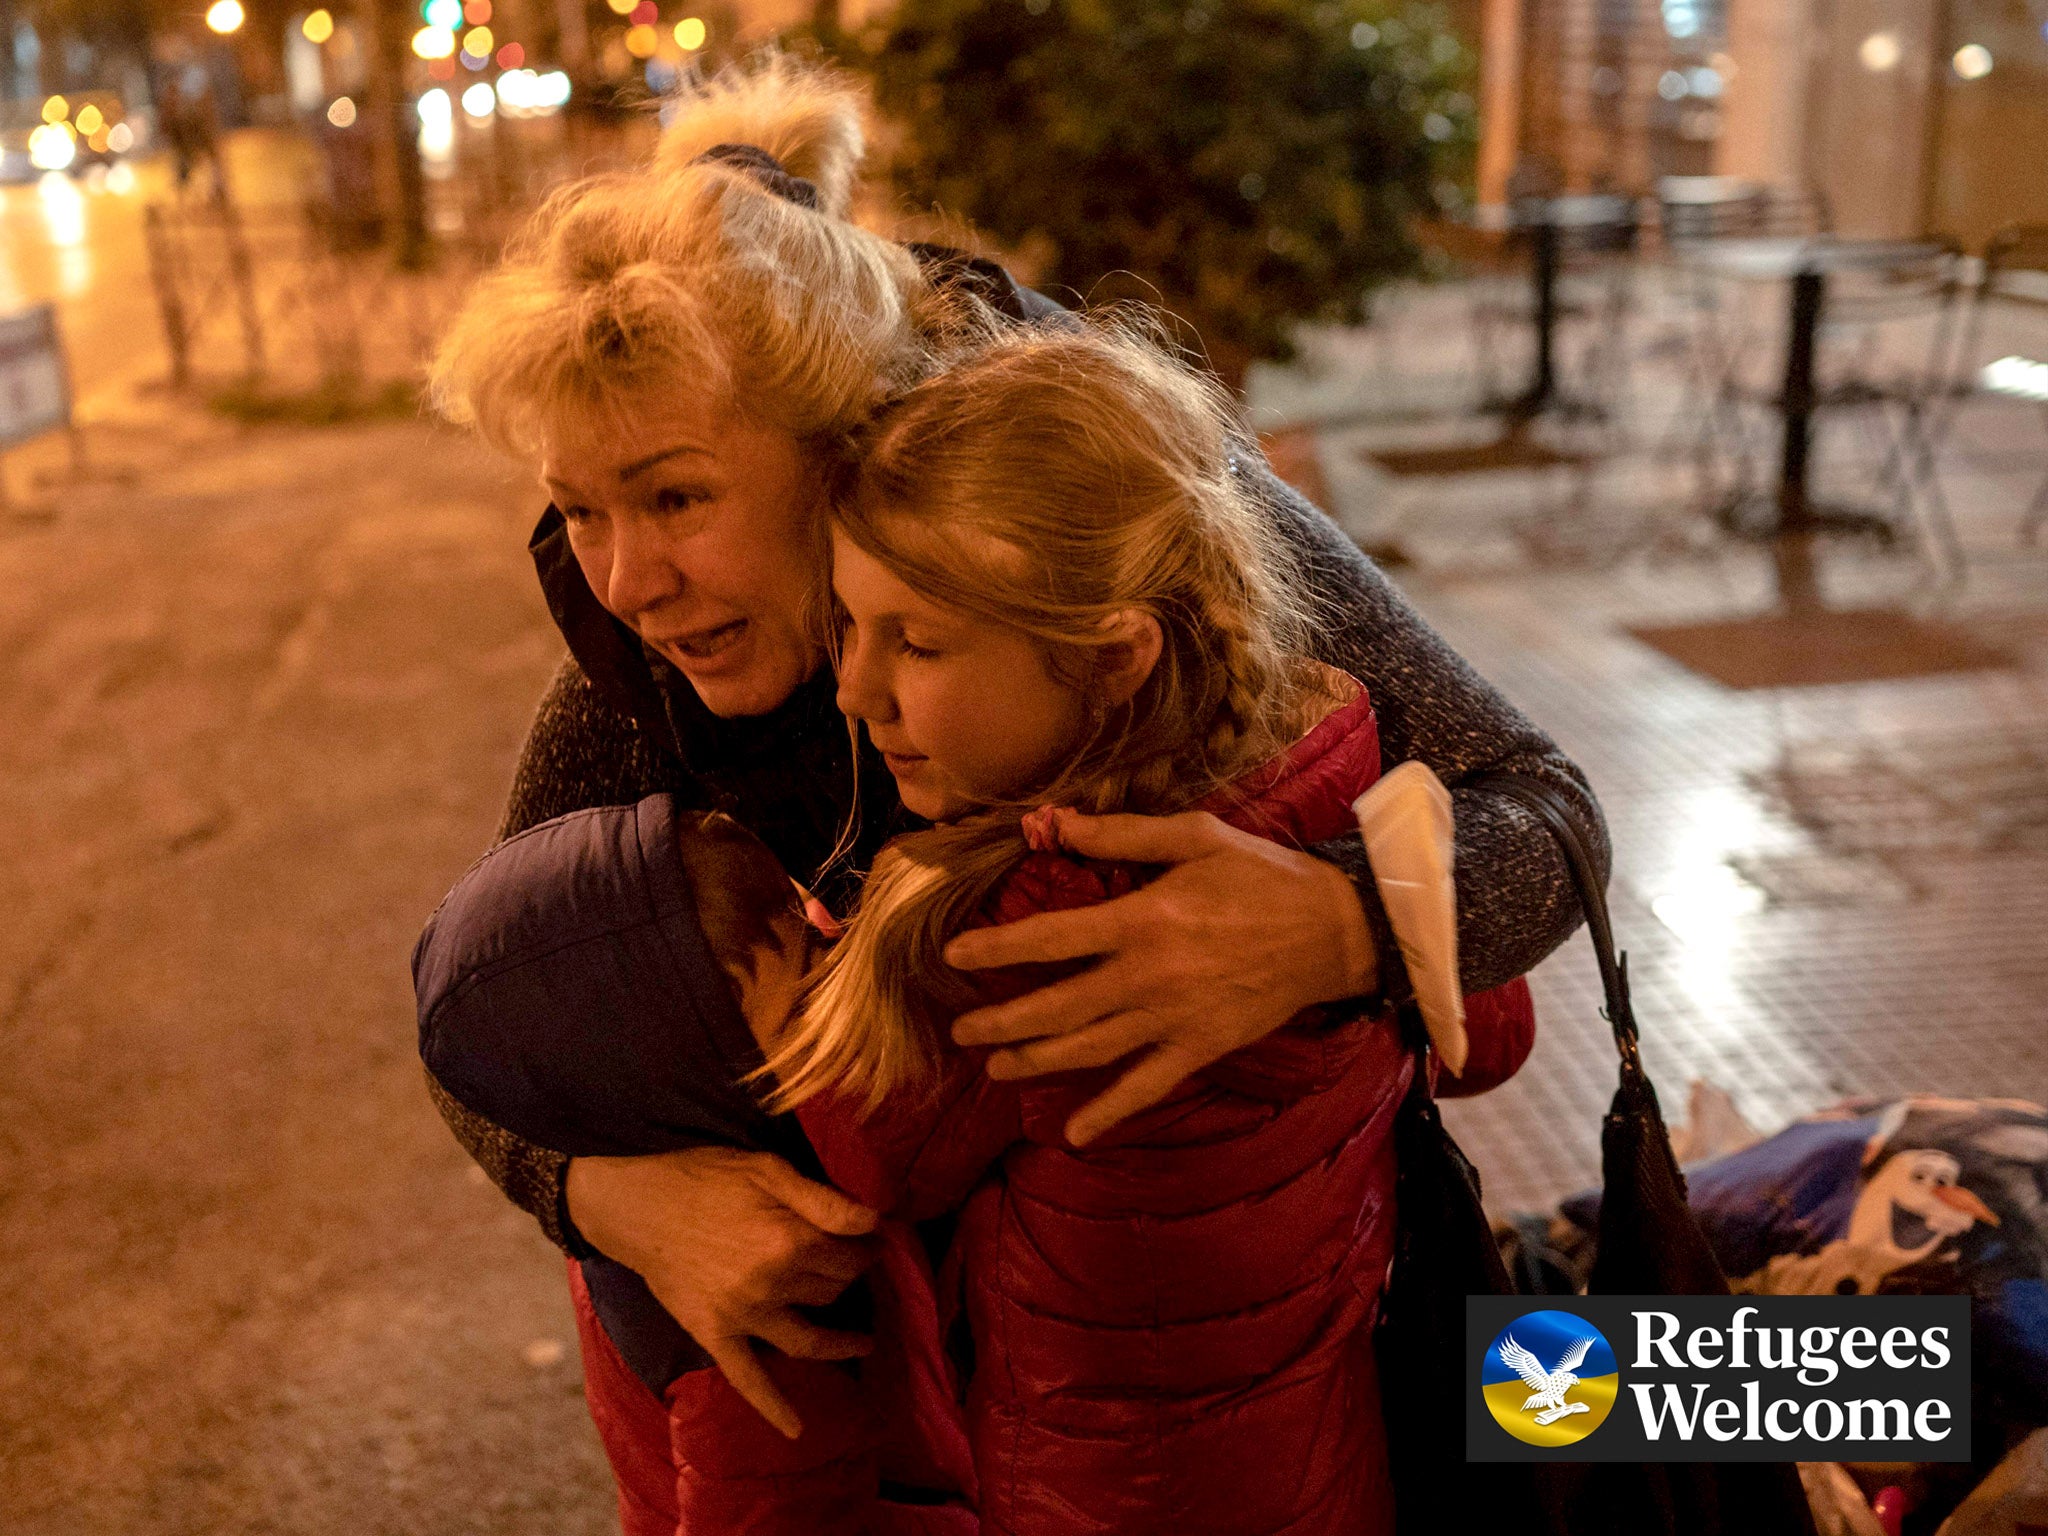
{"x": 1560, "y": 816}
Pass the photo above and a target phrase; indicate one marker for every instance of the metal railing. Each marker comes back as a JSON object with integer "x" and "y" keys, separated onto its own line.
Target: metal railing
{"x": 284, "y": 300}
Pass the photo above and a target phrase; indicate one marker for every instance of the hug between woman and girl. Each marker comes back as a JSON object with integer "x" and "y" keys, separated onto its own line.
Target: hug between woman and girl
{"x": 1050, "y": 589}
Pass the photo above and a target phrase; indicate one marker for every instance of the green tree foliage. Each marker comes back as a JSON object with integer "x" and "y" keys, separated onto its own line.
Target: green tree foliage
{"x": 1247, "y": 163}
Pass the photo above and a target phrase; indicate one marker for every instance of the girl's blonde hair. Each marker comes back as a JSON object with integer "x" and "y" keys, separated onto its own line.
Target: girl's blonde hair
{"x": 1053, "y": 480}
{"x": 693, "y": 274}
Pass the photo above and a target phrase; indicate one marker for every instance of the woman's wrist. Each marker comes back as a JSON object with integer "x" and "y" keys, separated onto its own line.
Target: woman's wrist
{"x": 1357, "y": 972}
{"x": 1367, "y": 955}
{"x": 587, "y": 1186}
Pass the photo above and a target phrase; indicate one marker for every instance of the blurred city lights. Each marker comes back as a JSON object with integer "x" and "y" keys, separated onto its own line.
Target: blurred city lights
{"x": 97, "y": 142}
{"x": 1682, "y": 18}
{"x": 690, "y": 33}
{"x": 56, "y": 109}
{"x": 437, "y": 124}
{"x": 442, "y": 13}
{"x": 121, "y": 177}
{"x": 1363, "y": 35}
{"x": 641, "y": 42}
{"x": 318, "y": 27}
{"x": 621, "y": 7}
{"x": 63, "y": 212}
{"x": 341, "y": 112}
{"x": 645, "y": 14}
{"x": 90, "y": 120}
{"x": 511, "y": 56}
{"x": 433, "y": 42}
{"x": 2020, "y": 376}
{"x": 225, "y": 16}
{"x": 522, "y": 93}
{"x": 52, "y": 147}
{"x": 1972, "y": 61}
{"x": 441, "y": 69}
{"x": 1706, "y": 82}
{"x": 120, "y": 138}
{"x": 477, "y": 12}
{"x": 1880, "y": 52}
{"x": 480, "y": 100}
{"x": 1672, "y": 86}
{"x": 478, "y": 42}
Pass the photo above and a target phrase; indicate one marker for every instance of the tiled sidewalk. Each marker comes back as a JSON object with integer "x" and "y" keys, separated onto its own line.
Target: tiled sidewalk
{"x": 1823, "y": 891}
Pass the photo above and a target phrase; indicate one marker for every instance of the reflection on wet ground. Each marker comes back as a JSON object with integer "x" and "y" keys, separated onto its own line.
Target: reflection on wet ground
{"x": 1824, "y": 890}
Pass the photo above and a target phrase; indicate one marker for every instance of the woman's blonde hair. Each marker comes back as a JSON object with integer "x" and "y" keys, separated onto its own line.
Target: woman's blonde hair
{"x": 1051, "y": 481}
{"x": 695, "y": 274}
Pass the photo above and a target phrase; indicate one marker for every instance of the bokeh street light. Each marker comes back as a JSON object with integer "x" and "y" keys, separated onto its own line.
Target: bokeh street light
{"x": 225, "y": 16}
{"x": 690, "y": 34}
{"x": 318, "y": 27}
{"x": 522, "y": 93}
{"x": 437, "y": 125}
{"x": 1880, "y": 51}
{"x": 53, "y": 147}
{"x": 433, "y": 42}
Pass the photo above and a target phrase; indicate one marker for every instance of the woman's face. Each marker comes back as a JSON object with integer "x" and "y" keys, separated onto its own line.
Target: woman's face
{"x": 697, "y": 531}
{"x": 965, "y": 711}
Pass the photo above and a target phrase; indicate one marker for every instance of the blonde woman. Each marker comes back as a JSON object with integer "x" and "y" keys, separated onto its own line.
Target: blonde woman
{"x": 669, "y": 348}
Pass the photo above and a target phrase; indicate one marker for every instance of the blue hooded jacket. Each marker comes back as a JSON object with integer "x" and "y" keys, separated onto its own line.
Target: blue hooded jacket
{"x": 567, "y": 993}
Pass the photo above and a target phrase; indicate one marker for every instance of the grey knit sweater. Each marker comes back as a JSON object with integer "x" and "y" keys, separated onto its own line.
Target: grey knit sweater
{"x": 1514, "y": 894}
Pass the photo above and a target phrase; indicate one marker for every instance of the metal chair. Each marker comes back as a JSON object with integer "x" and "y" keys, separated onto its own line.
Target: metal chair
{"x": 1710, "y": 208}
{"x": 1872, "y": 373}
{"x": 1704, "y": 325}
{"x": 1596, "y": 237}
{"x": 2014, "y": 282}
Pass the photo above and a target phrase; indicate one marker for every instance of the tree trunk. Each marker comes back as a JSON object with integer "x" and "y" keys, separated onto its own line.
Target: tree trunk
{"x": 390, "y": 25}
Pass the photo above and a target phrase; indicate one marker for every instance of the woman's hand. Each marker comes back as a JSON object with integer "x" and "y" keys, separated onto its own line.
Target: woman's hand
{"x": 730, "y": 1243}
{"x": 1230, "y": 943}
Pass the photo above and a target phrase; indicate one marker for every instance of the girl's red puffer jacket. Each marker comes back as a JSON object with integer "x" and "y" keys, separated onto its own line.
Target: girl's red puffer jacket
{"x": 1172, "y": 1325}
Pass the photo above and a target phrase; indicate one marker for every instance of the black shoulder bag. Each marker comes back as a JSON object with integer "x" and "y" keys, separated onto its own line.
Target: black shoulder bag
{"x": 1648, "y": 1244}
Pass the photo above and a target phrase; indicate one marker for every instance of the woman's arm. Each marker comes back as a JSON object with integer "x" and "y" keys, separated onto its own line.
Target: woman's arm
{"x": 579, "y": 752}
{"x": 1260, "y": 932}
{"x": 1515, "y": 898}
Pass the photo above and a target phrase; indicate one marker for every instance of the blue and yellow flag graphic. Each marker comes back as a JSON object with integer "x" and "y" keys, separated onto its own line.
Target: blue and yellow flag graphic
{"x": 1549, "y": 1378}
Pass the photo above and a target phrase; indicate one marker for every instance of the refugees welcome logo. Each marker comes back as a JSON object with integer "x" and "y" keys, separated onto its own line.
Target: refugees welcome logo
{"x": 1549, "y": 1378}
{"x": 1720, "y": 1378}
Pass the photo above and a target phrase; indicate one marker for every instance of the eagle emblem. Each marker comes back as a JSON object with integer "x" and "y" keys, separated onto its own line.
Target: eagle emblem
{"x": 1548, "y": 1387}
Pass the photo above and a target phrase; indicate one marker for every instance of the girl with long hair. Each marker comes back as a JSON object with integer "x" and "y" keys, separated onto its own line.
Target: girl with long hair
{"x": 1056, "y": 596}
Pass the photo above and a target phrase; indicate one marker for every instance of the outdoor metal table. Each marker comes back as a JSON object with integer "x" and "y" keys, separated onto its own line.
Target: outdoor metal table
{"x": 1804, "y": 261}
{"x": 1547, "y": 220}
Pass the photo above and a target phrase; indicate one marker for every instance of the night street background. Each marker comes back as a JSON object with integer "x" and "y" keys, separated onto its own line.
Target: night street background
{"x": 263, "y": 692}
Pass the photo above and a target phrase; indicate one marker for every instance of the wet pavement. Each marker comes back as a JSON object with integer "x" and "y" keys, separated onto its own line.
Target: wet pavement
{"x": 263, "y": 704}
{"x": 1824, "y": 890}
